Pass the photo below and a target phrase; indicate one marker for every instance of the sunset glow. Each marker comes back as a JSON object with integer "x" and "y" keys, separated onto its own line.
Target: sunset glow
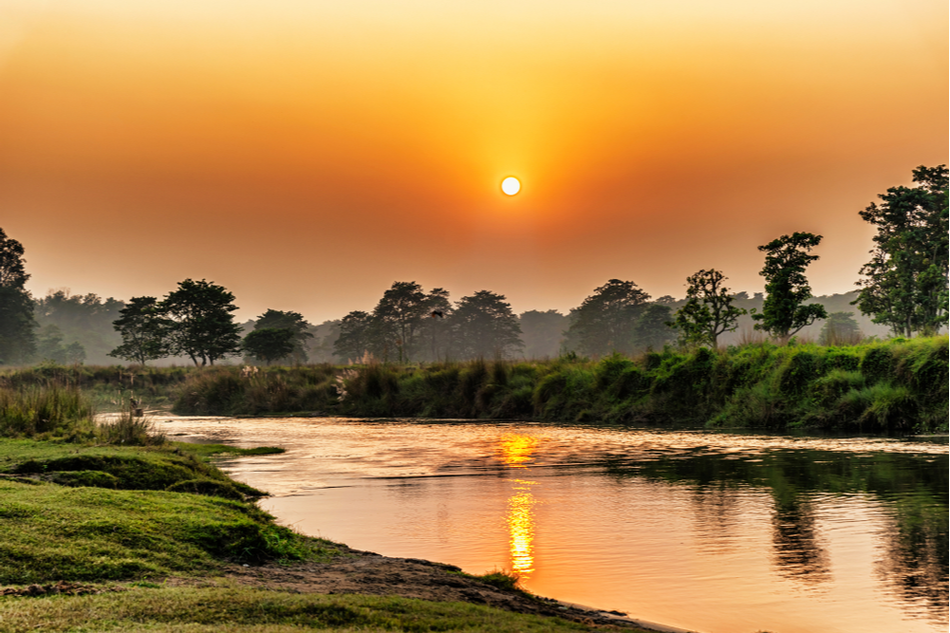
{"x": 235, "y": 143}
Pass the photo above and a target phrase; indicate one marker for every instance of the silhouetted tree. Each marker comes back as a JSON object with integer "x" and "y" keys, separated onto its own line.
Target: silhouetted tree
{"x": 203, "y": 326}
{"x": 905, "y": 285}
{"x": 269, "y": 344}
{"x": 784, "y": 311}
{"x": 145, "y": 330}
{"x": 296, "y": 324}
{"x": 542, "y": 332}
{"x": 398, "y": 316}
{"x": 434, "y": 331}
{"x": 708, "y": 311}
{"x": 355, "y": 337}
{"x": 604, "y": 321}
{"x": 483, "y": 326}
{"x": 17, "y": 336}
{"x": 652, "y": 329}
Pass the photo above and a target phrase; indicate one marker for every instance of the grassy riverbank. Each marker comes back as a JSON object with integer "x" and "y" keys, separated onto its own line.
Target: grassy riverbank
{"x": 92, "y": 530}
{"x": 896, "y": 386}
{"x": 893, "y": 386}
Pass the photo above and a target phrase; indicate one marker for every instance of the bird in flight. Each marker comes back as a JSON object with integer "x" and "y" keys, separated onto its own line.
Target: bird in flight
{"x": 436, "y": 313}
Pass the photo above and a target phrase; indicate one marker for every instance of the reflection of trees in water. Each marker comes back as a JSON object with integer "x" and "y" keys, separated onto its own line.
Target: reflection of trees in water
{"x": 914, "y": 486}
{"x": 717, "y": 512}
{"x": 915, "y": 560}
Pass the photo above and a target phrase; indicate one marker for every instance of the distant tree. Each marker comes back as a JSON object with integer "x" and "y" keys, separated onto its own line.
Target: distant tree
{"x": 840, "y": 328}
{"x": 202, "y": 324}
{"x": 542, "y": 332}
{"x": 356, "y": 333}
{"x": 320, "y": 350}
{"x": 667, "y": 300}
{"x": 604, "y": 321}
{"x": 87, "y": 319}
{"x": 50, "y": 347}
{"x": 17, "y": 335}
{"x": 708, "y": 311}
{"x": 652, "y": 329}
{"x": 145, "y": 331}
{"x": 434, "y": 333}
{"x": 398, "y": 316}
{"x": 269, "y": 344}
{"x": 905, "y": 284}
{"x": 483, "y": 326}
{"x": 296, "y": 324}
{"x": 784, "y": 311}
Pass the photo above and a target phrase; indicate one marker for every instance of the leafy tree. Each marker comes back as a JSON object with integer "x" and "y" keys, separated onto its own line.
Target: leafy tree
{"x": 202, "y": 324}
{"x": 784, "y": 312}
{"x": 708, "y": 311}
{"x": 542, "y": 333}
{"x": 652, "y": 329}
{"x": 17, "y": 336}
{"x": 905, "y": 284}
{"x": 145, "y": 330}
{"x": 269, "y": 344}
{"x": 356, "y": 333}
{"x": 604, "y": 321}
{"x": 398, "y": 316}
{"x": 296, "y": 324}
{"x": 840, "y": 328}
{"x": 483, "y": 325}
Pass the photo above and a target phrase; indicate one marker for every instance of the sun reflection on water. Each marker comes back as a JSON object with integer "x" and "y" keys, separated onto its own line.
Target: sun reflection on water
{"x": 516, "y": 452}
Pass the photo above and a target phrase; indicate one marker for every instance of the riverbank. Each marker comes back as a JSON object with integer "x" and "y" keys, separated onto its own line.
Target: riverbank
{"x": 95, "y": 536}
{"x": 898, "y": 386}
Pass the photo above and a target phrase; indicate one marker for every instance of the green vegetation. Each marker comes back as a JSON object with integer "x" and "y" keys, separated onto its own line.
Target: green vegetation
{"x": 232, "y": 609}
{"x": 897, "y": 386}
{"x": 708, "y": 311}
{"x": 784, "y": 311}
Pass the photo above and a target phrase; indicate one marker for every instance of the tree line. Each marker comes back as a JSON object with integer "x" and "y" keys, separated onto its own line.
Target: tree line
{"x": 904, "y": 287}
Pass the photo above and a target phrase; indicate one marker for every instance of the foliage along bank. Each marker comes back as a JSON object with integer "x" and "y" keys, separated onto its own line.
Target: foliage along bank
{"x": 895, "y": 386}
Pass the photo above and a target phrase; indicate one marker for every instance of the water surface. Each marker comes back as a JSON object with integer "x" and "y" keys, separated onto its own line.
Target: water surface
{"x": 716, "y": 532}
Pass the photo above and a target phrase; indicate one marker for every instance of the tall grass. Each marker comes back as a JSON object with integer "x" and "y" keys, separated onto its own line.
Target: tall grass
{"x": 45, "y": 411}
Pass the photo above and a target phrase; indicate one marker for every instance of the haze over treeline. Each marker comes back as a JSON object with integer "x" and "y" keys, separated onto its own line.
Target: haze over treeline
{"x": 903, "y": 289}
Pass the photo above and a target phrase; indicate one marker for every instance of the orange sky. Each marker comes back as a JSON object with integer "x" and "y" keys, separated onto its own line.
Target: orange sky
{"x": 307, "y": 154}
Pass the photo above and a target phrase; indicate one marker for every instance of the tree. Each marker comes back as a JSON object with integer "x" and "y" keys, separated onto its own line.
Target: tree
{"x": 652, "y": 329}
{"x": 906, "y": 281}
{"x": 145, "y": 330}
{"x": 398, "y": 315}
{"x": 708, "y": 311}
{"x": 269, "y": 344}
{"x": 542, "y": 333}
{"x": 355, "y": 336}
{"x": 202, "y": 324}
{"x": 483, "y": 325}
{"x": 50, "y": 347}
{"x": 784, "y": 312}
{"x": 604, "y": 321}
{"x": 296, "y": 324}
{"x": 840, "y": 328}
{"x": 434, "y": 331}
{"x": 17, "y": 336}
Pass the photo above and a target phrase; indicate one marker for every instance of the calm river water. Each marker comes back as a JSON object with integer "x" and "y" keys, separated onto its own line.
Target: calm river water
{"x": 715, "y": 532}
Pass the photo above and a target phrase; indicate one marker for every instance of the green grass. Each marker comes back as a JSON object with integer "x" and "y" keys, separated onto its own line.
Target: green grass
{"x": 79, "y": 512}
{"x": 231, "y": 609}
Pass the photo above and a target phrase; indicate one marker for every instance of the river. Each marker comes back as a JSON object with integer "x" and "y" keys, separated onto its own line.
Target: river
{"x": 716, "y": 532}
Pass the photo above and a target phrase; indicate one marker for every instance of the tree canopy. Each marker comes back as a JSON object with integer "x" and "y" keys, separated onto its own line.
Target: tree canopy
{"x": 784, "y": 311}
{"x": 145, "y": 331}
{"x": 604, "y": 322}
{"x": 17, "y": 336}
{"x": 269, "y": 344}
{"x": 203, "y": 327}
{"x": 292, "y": 322}
{"x": 905, "y": 283}
{"x": 708, "y": 311}
{"x": 483, "y": 326}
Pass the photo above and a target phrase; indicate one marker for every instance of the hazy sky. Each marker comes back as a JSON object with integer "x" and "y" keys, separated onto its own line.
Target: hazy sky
{"x": 307, "y": 154}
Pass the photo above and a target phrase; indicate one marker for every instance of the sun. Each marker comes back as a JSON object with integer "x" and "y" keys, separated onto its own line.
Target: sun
{"x": 510, "y": 186}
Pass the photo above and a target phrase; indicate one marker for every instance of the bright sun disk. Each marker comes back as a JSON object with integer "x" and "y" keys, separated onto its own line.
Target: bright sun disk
{"x": 510, "y": 185}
